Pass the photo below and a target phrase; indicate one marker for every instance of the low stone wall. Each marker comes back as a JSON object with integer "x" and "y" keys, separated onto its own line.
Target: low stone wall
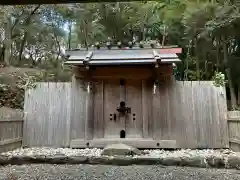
{"x": 232, "y": 162}
{"x": 192, "y": 158}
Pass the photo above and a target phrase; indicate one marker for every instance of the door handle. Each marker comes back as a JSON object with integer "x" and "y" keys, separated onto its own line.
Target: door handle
{"x": 115, "y": 117}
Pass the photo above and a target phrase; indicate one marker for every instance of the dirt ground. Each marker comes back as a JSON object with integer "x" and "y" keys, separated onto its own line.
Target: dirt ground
{"x": 104, "y": 172}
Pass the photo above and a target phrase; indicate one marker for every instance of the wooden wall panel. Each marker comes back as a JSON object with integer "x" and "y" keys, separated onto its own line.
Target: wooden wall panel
{"x": 11, "y": 129}
{"x": 198, "y": 123}
{"x": 78, "y": 108}
{"x": 98, "y": 91}
{"x": 134, "y": 120}
{"x": 234, "y": 130}
{"x": 173, "y": 125}
{"x": 47, "y": 115}
{"x": 111, "y": 102}
{"x": 221, "y": 111}
{"x": 147, "y": 93}
{"x": 146, "y": 72}
{"x": 156, "y": 113}
{"x": 192, "y": 113}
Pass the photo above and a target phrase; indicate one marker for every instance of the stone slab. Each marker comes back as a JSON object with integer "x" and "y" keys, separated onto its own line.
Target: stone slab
{"x": 231, "y": 162}
{"x": 120, "y": 150}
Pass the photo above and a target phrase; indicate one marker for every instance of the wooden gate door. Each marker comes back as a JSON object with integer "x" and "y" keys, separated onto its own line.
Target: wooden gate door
{"x": 123, "y": 125}
{"x": 134, "y": 120}
{"x": 114, "y": 123}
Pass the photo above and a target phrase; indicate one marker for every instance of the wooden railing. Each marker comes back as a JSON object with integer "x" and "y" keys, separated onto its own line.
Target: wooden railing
{"x": 11, "y": 129}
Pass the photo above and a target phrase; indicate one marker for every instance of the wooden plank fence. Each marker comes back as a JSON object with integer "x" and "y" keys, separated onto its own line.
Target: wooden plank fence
{"x": 234, "y": 130}
{"x": 197, "y": 112}
{"x": 194, "y": 113}
{"x": 11, "y": 129}
{"x": 47, "y": 115}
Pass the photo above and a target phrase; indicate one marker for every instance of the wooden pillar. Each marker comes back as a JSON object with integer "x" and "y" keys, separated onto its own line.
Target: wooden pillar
{"x": 145, "y": 109}
{"x": 78, "y": 109}
{"x": 89, "y": 111}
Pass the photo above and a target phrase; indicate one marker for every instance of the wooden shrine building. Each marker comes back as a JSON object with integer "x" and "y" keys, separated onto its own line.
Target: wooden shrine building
{"x": 121, "y": 84}
{"x": 130, "y": 96}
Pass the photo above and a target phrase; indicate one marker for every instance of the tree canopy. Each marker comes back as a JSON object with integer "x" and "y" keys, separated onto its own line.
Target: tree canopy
{"x": 207, "y": 30}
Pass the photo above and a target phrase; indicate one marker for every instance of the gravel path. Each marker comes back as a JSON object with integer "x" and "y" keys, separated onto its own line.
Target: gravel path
{"x": 97, "y": 152}
{"x": 104, "y": 172}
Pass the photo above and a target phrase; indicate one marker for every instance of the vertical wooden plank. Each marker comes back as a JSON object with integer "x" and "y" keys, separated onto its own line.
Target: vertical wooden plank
{"x": 78, "y": 108}
{"x": 209, "y": 133}
{"x": 89, "y": 113}
{"x": 149, "y": 96}
{"x": 180, "y": 123}
{"x": 163, "y": 123}
{"x": 188, "y": 133}
{"x": 195, "y": 112}
{"x": 222, "y": 106}
{"x": 156, "y": 113}
{"x": 145, "y": 109}
{"x": 68, "y": 115}
{"x": 111, "y": 102}
{"x": 201, "y": 116}
{"x": 98, "y": 109}
{"x": 173, "y": 110}
{"x": 134, "y": 120}
{"x": 198, "y": 113}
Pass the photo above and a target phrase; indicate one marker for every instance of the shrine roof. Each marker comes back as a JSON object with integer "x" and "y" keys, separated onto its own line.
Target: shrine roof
{"x": 123, "y": 56}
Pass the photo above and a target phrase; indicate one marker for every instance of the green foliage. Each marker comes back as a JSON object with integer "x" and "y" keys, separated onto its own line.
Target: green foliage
{"x": 219, "y": 79}
{"x": 208, "y": 32}
{"x": 14, "y": 82}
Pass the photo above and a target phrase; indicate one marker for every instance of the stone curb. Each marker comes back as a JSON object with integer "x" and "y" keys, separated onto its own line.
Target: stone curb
{"x": 232, "y": 162}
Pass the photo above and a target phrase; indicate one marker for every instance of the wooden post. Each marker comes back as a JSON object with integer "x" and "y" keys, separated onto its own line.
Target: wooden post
{"x": 145, "y": 109}
{"x": 89, "y": 112}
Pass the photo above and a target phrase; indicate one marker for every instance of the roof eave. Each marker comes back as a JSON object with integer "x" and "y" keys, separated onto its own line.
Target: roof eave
{"x": 121, "y": 62}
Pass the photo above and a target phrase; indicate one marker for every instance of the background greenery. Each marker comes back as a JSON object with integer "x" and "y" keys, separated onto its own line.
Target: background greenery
{"x": 33, "y": 38}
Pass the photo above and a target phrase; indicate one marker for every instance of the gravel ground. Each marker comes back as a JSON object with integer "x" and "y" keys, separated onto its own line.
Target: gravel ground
{"x": 104, "y": 172}
{"x": 97, "y": 152}
{"x": 53, "y": 151}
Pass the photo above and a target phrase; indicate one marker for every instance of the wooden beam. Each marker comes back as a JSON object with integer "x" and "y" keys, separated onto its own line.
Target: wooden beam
{"x": 135, "y": 142}
{"x": 10, "y": 141}
{"x": 124, "y": 72}
{"x": 236, "y": 141}
{"x": 89, "y": 109}
{"x": 234, "y": 119}
{"x": 11, "y": 120}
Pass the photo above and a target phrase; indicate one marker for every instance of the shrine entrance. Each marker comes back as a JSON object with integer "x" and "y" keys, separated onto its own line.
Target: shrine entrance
{"x": 121, "y": 96}
{"x": 123, "y": 108}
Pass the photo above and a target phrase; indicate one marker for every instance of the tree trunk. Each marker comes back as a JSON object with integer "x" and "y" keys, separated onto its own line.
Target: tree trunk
{"x": 205, "y": 65}
{"x": 7, "y": 52}
{"x": 2, "y": 54}
{"x": 70, "y": 35}
{"x": 197, "y": 61}
{"x": 7, "y": 41}
{"x": 228, "y": 72}
{"x": 85, "y": 33}
{"x": 28, "y": 21}
{"x": 23, "y": 42}
{"x": 164, "y": 36}
{"x": 186, "y": 62}
{"x": 218, "y": 55}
